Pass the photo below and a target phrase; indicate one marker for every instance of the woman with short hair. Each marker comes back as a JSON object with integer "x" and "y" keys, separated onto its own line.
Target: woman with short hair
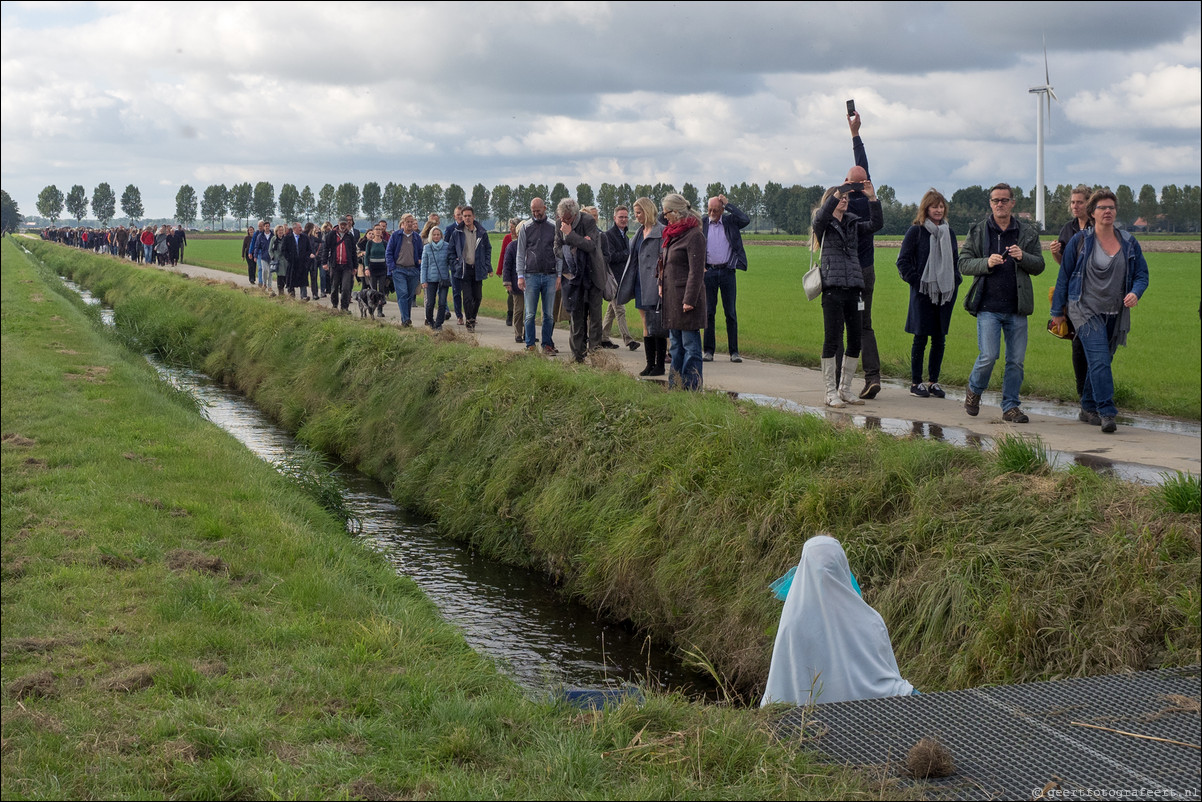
{"x": 162, "y": 244}
{"x": 276, "y": 258}
{"x": 1103, "y": 275}
{"x": 436, "y": 277}
{"x": 929, "y": 263}
{"x": 682, "y": 289}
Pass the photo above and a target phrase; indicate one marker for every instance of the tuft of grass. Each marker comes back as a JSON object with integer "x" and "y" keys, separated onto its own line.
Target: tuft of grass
{"x": 1182, "y": 492}
{"x": 314, "y": 475}
{"x": 1019, "y": 454}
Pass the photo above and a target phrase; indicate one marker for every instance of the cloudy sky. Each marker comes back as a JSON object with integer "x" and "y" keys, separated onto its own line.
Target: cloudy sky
{"x": 163, "y": 94}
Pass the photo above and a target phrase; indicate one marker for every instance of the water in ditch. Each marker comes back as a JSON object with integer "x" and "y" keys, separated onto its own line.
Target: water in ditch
{"x": 544, "y": 641}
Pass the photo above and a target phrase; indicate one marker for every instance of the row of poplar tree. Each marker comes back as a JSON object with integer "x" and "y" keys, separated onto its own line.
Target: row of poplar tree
{"x": 773, "y": 207}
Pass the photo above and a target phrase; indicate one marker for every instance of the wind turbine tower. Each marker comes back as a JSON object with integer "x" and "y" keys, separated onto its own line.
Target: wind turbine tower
{"x": 1048, "y": 97}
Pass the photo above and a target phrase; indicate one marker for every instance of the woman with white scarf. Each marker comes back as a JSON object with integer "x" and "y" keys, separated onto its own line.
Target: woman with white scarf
{"x": 929, "y": 263}
{"x": 830, "y": 646}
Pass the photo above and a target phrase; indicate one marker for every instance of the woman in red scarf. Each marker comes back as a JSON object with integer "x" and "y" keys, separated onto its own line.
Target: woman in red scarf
{"x": 682, "y": 289}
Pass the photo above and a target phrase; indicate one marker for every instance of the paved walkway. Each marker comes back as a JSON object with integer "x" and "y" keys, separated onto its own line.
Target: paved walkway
{"x": 1140, "y": 450}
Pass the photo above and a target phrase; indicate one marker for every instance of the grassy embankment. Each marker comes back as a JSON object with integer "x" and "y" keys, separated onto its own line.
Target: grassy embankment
{"x": 181, "y": 622}
{"x": 676, "y": 510}
{"x": 1160, "y": 371}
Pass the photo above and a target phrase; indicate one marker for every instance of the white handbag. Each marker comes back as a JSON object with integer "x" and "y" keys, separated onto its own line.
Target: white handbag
{"x": 811, "y": 282}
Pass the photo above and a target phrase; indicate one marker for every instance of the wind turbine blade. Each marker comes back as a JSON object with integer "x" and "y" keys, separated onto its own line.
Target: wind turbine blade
{"x": 1049, "y": 100}
{"x": 1046, "y": 79}
{"x": 1053, "y": 94}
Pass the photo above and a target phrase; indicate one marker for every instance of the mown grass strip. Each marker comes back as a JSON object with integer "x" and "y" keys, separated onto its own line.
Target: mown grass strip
{"x": 677, "y": 510}
{"x": 181, "y": 621}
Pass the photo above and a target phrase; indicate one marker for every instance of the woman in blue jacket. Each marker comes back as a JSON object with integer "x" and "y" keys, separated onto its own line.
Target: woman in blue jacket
{"x": 1103, "y": 275}
{"x": 436, "y": 276}
{"x": 929, "y": 263}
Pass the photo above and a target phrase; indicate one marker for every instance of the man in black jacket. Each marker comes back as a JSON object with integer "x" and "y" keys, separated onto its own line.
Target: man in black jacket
{"x": 341, "y": 258}
{"x": 616, "y": 246}
{"x": 298, "y": 253}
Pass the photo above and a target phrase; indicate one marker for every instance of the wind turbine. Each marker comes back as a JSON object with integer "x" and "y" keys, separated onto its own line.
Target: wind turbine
{"x": 1048, "y": 97}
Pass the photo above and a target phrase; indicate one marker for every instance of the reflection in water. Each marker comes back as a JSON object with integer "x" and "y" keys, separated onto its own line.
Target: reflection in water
{"x": 962, "y": 437}
{"x": 537, "y": 636}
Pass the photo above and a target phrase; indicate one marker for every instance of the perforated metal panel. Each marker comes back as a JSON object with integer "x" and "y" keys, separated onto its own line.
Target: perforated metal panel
{"x": 1016, "y": 741}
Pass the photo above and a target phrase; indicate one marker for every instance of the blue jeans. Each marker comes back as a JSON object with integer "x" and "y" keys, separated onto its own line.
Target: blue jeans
{"x": 406, "y": 281}
{"x": 147, "y": 253}
{"x": 721, "y": 279}
{"x": 1097, "y": 394}
{"x": 264, "y": 272}
{"x": 685, "y": 347}
{"x": 990, "y": 328}
{"x": 540, "y": 285}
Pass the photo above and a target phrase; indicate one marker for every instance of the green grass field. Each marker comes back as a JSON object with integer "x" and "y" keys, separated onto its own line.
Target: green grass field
{"x": 675, "y": 510}
{"x": 1158, "y": 372}
{"x": 182, "y": 622}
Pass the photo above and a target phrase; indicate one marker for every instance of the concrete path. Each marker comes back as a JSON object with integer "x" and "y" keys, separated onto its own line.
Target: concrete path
{"x": 1140, "y": 450}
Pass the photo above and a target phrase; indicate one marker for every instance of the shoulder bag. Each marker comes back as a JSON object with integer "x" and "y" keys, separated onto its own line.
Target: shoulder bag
{"x": 811, "y": 282}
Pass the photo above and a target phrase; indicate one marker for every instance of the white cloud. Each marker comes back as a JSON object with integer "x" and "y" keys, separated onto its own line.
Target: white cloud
{"x": 1170, "y": 96}
{"x": 535, "y": 92}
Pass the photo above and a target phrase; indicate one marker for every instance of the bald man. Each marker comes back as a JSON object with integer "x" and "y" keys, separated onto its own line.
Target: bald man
{"x": 723, "y": 227}
{"x": 857, "y": 203}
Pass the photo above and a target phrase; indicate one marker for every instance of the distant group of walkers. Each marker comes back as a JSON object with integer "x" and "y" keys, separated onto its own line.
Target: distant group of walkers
{"x": 162, "y": 245}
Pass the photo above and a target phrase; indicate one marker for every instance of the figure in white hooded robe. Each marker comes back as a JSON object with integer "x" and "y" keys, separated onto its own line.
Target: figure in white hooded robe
{"x": 831, "y": 646}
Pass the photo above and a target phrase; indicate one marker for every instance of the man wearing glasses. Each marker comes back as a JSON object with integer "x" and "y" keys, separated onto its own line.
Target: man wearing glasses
{"x": 1002, "y": 253}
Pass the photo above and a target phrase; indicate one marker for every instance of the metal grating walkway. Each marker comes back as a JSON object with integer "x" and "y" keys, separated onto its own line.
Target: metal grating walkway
{"x": 1015, "y": 741}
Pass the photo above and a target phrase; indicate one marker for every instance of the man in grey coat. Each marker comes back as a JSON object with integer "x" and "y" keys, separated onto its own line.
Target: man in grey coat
{"x": 578, "y": 247}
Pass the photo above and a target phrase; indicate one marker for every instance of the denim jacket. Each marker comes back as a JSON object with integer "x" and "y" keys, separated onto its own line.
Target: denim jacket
{"x": 1076, "y": 257}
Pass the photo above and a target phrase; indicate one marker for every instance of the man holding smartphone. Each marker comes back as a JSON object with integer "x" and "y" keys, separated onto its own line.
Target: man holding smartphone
{"x": 857, "y": 203}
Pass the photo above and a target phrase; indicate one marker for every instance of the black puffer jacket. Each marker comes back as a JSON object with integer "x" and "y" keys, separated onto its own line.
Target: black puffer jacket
{"x": 840, "y": 242}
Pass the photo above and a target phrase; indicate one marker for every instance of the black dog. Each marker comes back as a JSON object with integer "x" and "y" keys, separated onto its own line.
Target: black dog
{"x": 371, "y": 302}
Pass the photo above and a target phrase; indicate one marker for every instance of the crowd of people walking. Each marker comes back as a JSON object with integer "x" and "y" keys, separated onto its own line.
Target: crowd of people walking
{"x": 679, "y": 262}
{"x": 160, "y": 245}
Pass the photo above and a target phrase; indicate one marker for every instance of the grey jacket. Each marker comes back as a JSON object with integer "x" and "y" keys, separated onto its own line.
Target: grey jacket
{"x": 585, "y": 242}
{"x": 644, "y": 257}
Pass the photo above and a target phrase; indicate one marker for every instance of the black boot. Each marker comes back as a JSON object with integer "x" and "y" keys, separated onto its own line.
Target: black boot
{"x": 661, "y": 354}
{"x": 649, "y": 349}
